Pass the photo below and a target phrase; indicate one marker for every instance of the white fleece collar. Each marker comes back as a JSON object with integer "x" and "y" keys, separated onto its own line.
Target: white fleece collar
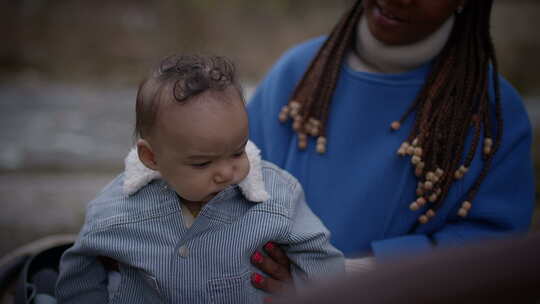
{"x": 137, "y": 175}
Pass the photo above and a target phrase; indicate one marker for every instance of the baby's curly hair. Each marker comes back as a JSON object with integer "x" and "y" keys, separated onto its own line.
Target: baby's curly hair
{"x": 178, "y": 78}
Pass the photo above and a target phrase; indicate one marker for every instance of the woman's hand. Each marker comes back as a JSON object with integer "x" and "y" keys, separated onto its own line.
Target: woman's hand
{"x": 276, "y": 264}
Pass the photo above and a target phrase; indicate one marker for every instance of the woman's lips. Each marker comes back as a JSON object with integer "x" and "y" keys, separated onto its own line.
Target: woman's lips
{"x": 385, "y": 17}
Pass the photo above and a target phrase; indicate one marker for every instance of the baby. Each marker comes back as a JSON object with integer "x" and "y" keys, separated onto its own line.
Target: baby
{"x": 195, "y": 201}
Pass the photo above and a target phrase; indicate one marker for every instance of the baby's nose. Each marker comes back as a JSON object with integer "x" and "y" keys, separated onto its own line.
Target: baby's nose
{"x": 224, "y": 175}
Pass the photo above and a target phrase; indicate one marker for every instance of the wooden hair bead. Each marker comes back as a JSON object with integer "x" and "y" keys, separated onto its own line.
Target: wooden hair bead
{"x": 316, "y": 131}
{"x": 295, "y": 108}
{"x": 308, "y": 128}
{"x": 421, "y": 201}
{"x": 415, "y": 160}
{"x": 321, "y": 148}
{"x": 321, "y": 140}
{"x": 414, "y": 206}
{"x": 403, "y": 148}
{"x": 418, "y": 151}
{"x": 428, "y": 185}
{"x": 423, "y": 219}
{"x": 314, "y": 125}
{"x": 488, "y": 143}
{"x": 297, "y": 124}
{"x": 284, "y": 113}
{"x": 433, "y": 197}
{"x": 458, "y": 174}
{"x": 463, "y": 169}
{"x": 430, "y": 213}
{"x": 462, "y": 212}
{"x": 310, "y": 124}
{"x": 302, "y": 141}
{"x": 430, "y": 176}
{"x": 395, "y": 125}
{"x": 283, "y": 117}
{"x": 321, "y": 145}
{"x": 439, "y": 172}
{"x": 410, "y": 150}
{"x": 466, "y": 205}
{"x": 415, "y": 142}
{"x": 294, "y": 105}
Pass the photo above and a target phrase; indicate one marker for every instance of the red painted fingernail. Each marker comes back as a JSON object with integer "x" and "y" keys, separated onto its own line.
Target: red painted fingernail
{"x": 269, "y": 246}
{"x": 257, "y": 257}
{"x": 257, "y": 278}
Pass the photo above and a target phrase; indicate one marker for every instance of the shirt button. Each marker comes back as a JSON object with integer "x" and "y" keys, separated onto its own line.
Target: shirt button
{"x": 183, "y": 251}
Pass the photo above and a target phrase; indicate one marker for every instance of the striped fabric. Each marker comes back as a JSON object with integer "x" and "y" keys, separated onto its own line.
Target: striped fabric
{"x": 163, "y": 261}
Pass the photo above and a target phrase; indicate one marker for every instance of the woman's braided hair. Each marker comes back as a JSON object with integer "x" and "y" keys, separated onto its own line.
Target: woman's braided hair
{"x": 453, "y": 100}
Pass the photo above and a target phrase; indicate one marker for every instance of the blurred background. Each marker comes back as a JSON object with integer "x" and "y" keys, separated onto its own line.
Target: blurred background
{"x": 69, "y": 71}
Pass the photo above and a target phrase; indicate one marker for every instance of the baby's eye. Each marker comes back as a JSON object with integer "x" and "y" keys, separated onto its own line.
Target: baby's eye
{"x": 239, "y": 153}
{"x": 201, "y": 165}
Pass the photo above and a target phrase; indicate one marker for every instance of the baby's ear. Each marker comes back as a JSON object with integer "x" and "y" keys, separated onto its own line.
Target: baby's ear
{"x": 146, "y": 154}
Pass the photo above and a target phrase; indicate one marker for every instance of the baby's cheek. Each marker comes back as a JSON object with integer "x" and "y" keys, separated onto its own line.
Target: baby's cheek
{"x": 187, "y": 185}
{"x": 244, "y": 169}
{"x": 201, "y": 183}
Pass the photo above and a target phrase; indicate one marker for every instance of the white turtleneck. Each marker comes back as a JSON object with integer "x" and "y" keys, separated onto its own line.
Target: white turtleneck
{"x": 374, "y": 56}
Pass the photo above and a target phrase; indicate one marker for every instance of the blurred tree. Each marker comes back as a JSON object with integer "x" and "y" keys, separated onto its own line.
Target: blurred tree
{"x": 116, "y": 41}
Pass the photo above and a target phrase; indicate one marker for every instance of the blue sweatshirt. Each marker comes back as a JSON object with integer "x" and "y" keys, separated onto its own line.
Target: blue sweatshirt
{"x": 361, "y": 189}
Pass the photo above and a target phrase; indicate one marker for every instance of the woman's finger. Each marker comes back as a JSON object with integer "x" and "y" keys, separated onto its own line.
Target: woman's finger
{"x": 267, "y": 264}
{"x": 266, "y": 284}
{"x": 277, "y": 254}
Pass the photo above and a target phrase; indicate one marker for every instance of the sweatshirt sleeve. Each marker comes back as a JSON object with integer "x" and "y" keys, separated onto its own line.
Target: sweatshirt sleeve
{"x": 309, "y": 249}
{"x": 83, "y": 278}
{"x": 505, "y": 200}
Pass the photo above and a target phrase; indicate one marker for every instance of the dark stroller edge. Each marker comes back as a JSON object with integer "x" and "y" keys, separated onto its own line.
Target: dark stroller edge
{"x": 32, "y": 268}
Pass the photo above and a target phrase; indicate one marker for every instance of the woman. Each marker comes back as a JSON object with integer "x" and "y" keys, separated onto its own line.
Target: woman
{"x": 401, "y": 131}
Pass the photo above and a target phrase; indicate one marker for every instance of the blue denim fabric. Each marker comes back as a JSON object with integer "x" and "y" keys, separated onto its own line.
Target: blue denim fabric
{"x": 162, "y": 261}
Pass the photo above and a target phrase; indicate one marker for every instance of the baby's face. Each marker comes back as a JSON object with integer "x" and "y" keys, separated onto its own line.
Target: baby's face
{"x": 199, "y": 147}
